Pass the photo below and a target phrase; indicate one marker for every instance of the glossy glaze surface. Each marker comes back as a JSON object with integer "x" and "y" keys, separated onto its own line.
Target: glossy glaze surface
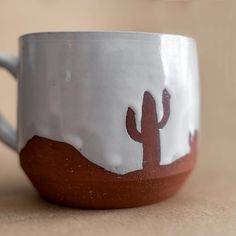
{"x": 76, "y": 88}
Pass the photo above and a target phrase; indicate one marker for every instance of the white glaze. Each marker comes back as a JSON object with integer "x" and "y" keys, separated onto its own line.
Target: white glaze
{"x": 77, "y": 90}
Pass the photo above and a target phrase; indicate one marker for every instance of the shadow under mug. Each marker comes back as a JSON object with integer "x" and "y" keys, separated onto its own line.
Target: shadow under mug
{"x": 105, "y": 119}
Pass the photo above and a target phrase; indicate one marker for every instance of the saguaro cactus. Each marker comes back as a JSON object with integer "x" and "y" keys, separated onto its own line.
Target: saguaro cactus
{"x": 150, "y": 126}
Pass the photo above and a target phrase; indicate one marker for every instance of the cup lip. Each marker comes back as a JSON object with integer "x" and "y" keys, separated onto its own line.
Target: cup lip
{"x": 72, "y": 35}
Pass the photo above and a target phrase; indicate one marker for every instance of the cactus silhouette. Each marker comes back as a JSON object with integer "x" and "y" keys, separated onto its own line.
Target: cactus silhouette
{"x": 150, "y": 128}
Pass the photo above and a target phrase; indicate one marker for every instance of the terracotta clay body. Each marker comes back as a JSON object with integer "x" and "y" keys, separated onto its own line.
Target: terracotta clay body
{"x": 63, "y": 175}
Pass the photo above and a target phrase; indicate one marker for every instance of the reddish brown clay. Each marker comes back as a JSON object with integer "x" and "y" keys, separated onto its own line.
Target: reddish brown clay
{"x": 63, "y": 175}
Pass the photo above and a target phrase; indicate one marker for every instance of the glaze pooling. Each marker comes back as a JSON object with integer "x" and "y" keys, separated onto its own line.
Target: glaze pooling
{"x": 79, "y": 91}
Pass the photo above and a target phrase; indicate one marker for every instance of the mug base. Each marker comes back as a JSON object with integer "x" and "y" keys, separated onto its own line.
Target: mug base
{"x": 63, "y": 176}
{"x": 129, "y": 195}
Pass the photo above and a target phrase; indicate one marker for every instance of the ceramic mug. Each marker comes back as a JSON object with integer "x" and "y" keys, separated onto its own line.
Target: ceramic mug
{"x": 105, "y": 119}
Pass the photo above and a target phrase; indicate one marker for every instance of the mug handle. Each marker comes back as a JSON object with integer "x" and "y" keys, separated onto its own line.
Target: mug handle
{"x": 7, "y": 134}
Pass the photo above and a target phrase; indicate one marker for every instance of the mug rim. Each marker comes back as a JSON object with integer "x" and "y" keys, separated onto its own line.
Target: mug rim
{"x": 70, "y": 35}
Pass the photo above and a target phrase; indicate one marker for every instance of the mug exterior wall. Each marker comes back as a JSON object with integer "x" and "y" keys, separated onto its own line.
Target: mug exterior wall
{"x": 93, "y": 102}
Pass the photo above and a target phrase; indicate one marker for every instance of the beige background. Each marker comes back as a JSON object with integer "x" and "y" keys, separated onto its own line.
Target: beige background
{"x": 207, "y": 203}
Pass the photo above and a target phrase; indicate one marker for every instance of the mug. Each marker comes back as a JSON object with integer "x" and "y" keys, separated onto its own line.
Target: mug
{"x": 105, "y": 119}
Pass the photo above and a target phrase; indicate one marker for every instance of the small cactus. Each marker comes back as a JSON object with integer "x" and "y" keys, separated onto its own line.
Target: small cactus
{"x": 150, "y": 126}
